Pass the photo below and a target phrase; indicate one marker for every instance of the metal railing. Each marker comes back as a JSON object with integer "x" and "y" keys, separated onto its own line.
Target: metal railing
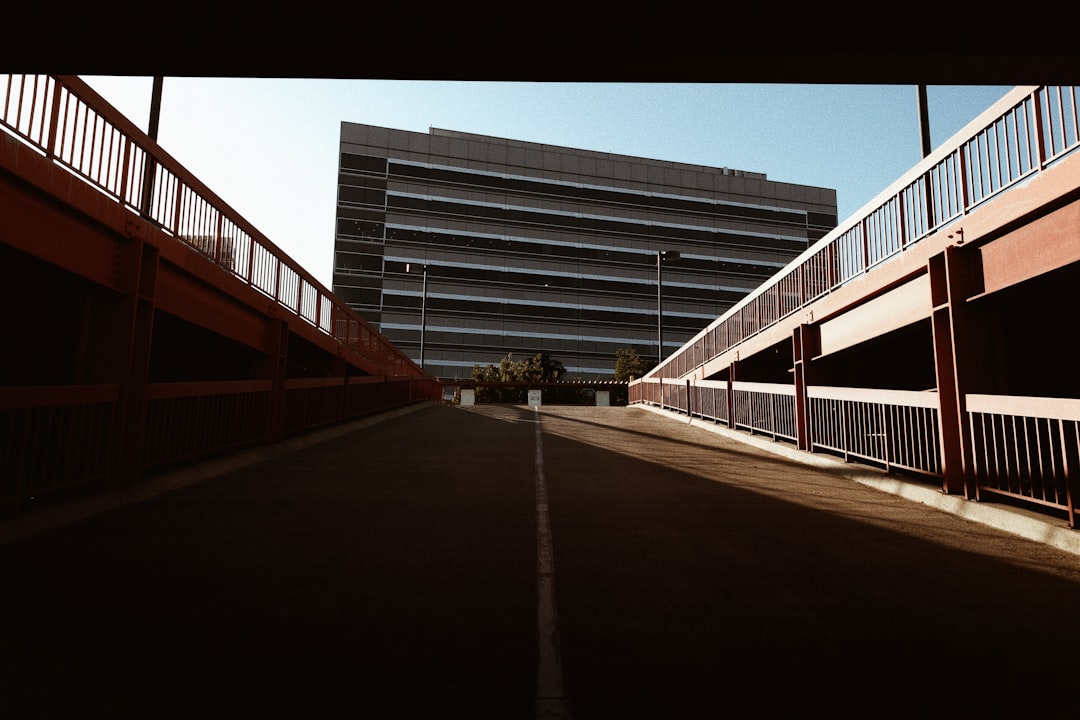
{"x": 54, "y": 439}
{"x": 1018, "y": 136}
{"x": 1026, "y": 448}
{"x": 765, "y": 408}
{"x": 66, "y": 121}
{"x": 189, "y": 420}
{"x": 59, "y": 438}
{"x": 892, "y": 428}
{"x": 896, "y": 429}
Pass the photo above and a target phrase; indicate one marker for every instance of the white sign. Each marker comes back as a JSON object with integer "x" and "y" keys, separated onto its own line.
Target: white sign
{"x": 534, "y": 397}
{"x": 468, "y": 396}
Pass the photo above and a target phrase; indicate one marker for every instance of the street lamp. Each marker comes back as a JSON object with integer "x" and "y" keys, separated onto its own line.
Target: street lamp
{"x": 661, "y": 256}
{"x": 415, "y": 268}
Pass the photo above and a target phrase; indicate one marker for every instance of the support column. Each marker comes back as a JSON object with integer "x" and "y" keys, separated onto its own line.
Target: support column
{"x": 138, "y": 266}
{"x": 340, "y": 368}
{"x": 806, "y": 345}
{"x": 276, "y": 365}
{"x": 955, "y": 276}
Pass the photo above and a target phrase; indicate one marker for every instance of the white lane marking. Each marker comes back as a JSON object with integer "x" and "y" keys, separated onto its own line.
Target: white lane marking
{"x": 550, "y": 697}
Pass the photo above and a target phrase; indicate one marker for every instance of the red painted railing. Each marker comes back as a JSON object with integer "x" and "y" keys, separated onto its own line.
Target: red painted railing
{"x": 65, "y": 120}
{"x": 60, "y": 440}
{"x": 893, "y": 429}
{"x": 1027, "y": 448}
{"x": 1019, "y": 136}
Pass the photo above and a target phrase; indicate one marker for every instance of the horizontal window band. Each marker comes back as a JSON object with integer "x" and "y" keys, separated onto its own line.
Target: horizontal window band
{"x": 469, "y": 332}
{"x": 595, "y": 194}
{"x": 569, "y": 222}
{"x": 582, "y": 286}
{"x": 524, "y": 311}
{"x": 538, "y": 248}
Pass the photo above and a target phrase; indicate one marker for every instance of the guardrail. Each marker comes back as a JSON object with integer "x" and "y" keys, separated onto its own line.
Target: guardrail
{"x": 1027, "y": 448}
{"x": 54, "y": 439}
{"x": 892, "y": 428}
{"x": 1020, "y": 135}
{"x": 66, "y": 121}
{"x": 57, "y": 440}
{"x": 895, "y": 429}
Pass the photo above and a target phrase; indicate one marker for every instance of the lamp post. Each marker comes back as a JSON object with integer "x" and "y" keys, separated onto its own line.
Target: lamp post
{"x": 415, "y": 268}
{"x": 661, "y": 256}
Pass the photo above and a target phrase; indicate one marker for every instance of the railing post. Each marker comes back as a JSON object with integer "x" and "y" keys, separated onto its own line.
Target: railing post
{"x": 732, "y": 371}
{"x": 772, "y": 415}
{"x": 1071, "y": 467}
{"x": 865, "y": 239}
{"x": 54, "y": 119}
{"x": 1040, "y": 130}
{"x": 844, "y": 429}
{"x": 885, "y": 438}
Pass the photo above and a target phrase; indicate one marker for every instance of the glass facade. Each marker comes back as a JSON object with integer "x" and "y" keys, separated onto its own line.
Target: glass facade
{"x": 536, "y": 248}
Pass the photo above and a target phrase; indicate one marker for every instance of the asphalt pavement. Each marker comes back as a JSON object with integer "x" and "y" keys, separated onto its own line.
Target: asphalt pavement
{"x": 397, "y": 569}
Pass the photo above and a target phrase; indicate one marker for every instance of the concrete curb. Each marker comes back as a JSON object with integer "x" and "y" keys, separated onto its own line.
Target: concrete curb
{"x": 1026, "y": 524}
{"x": 36, "y": 522}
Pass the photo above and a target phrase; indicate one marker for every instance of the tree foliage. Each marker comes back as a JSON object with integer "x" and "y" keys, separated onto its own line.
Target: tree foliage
{"x": 541, "y": 367}
{"x": 628, "y": 365}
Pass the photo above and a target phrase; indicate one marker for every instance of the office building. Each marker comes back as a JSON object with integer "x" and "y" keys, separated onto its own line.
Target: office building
{"x": 537, "y": 248}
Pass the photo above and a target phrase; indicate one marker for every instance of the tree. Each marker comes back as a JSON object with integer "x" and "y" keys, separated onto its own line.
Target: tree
{"x": 628, "y": 365}
{"x": 539, "y": 368}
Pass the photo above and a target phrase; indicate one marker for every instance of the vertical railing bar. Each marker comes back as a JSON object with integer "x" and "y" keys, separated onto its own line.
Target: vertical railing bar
{"x": 109, "y": 162}
{"x": 894, "y": 434}
{"x": 978, "y": 445}
{"x": 7, "y": 98}
{"x": 1002, "y": 472}
{"x": 63, "y": 121}
{"x": 1024, "y": 440}
{"x": 1039, "y": 454}
{"x": 1012, "y": 468}
{"x": 99, "y": 148}
{"x": 1016, "y": 141}
{"x": 995, "y": 419}
{"x": 980, "y": 170}
{"x": 53, "y": 100}
{"x": 1075, "y": 118}
{"x": 920, "y": 457}
{"x": 82, "y": 151}
{"x": 1031, "y": 134}
{"x": 885, "y": 435}
{"x": 30, "y": 107}
{"x": 1060, "y": 124}
{"x": 997, "y": 155}
{"x": 1040, "y": 130}
{"x": 862, "y": 414}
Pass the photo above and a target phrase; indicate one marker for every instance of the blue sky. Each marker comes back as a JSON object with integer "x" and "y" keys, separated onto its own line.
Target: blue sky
{"x": 269, "y": 146}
